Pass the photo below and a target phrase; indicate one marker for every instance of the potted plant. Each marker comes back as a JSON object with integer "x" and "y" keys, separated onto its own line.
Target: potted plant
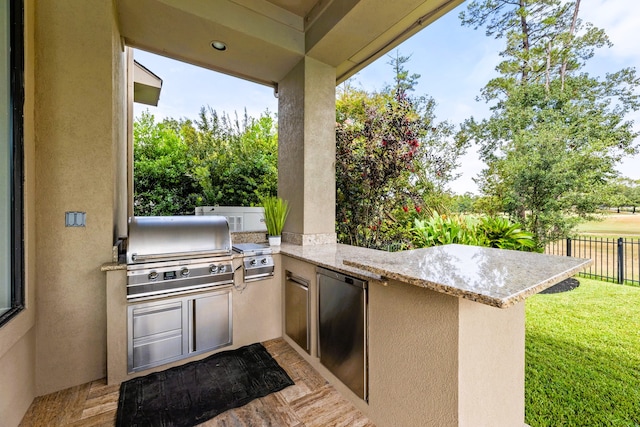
{"x": 275, "y": 214}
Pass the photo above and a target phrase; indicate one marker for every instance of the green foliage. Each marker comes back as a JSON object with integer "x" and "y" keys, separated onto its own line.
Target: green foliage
{"x": 179, "y": 165}
{"x": 465, "y": 204}
{"x": 276, "y": 211}
{"x": 488, "y": 231}
{"x": 162, "y": 182}
{"x": 390, "y": 153}
{"x": 238, "y": 160}
{"x": 500, "y": 233}
{"x": 583, "y": 357}
{"x": 444, "y": 230}
{"x": 555, "y": 134}
{"x": 625, "y": 192}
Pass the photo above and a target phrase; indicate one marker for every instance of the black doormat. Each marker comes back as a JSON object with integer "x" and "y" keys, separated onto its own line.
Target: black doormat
{"x": 195, "y": 392}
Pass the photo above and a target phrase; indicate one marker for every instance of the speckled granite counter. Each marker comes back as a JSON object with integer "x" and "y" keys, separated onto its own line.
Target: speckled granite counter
{"x": 490, "y": 276}
{"x": 113, "y": 266}
{"x": 332, "y": 256}
{"x": 494, "y": 277}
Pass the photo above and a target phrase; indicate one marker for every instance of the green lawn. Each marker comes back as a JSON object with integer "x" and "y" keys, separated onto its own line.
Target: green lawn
{"x": 583, "y": 356}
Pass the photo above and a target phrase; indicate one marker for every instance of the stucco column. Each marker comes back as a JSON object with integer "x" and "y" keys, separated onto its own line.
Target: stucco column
{"x": 306, "y": 151}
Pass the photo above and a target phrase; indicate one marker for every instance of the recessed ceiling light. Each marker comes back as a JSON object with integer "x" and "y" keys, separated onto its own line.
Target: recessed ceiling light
{"x": 218, "y": 45}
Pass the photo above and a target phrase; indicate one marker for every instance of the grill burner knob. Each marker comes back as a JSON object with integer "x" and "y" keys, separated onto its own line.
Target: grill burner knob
{"x": 153, "y": 275}
{"x": 184, "y": 272}
{"x": 253, "y": 262}
{"x": 264, "y": 261}
{"x": 213, "y": 269}
{"x": 222, "y": 269}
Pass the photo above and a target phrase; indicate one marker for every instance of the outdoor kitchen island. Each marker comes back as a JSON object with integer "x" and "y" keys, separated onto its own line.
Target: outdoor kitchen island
{"x": 445, "y": 328}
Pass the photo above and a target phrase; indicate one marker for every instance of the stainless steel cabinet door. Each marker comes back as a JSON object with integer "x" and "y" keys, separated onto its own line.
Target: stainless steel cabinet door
{"x": 211, "y": 321}
{"x": 296, "y": 300}
{"x": 173, "y": 329}
{"x": 342, "y": 329}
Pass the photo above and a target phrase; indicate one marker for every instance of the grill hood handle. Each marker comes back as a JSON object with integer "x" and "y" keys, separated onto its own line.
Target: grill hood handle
{"x": 177, "y": 255}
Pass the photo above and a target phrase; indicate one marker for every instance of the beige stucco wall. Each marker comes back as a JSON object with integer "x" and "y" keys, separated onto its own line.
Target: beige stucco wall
{"x": 491, "y": 363}
{"x": 17, "y": 338}
{"x": 18, "y": 381}
{"x": 306, "y": 147}
{"x": 413, "y": 363}
{"x": 78, "y": 66}
{"x": 257, "y": 307}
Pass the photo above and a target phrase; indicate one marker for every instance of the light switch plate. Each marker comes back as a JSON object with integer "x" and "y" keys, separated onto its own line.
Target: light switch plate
{"x": 75, "y": 219}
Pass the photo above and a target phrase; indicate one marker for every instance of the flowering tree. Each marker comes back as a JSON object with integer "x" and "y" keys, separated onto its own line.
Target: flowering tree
{"x": 391, "y": 156}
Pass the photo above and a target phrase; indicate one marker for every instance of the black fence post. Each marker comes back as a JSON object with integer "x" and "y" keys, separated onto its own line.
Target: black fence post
{"x": 568, "y": 246}
{"x": 621, "y": 260}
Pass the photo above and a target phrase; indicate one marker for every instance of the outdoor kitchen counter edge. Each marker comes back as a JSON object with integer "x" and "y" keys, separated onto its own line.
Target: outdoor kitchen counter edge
{"x": 495, "y": 277}
{"x": 332, "y": 256}
{"x": 113, "y": 266}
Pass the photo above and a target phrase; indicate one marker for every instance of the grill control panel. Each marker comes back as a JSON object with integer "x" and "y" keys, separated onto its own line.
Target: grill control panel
{"x": 155, "y": 281}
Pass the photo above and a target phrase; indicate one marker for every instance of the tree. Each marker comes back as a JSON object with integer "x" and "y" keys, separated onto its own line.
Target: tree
{"x": 181, "y": 164}
{"x": 390, "y": 154}
{"x": 163, "y": 184}
{"x": 632, "y": 192}
{"x": 626, "y": 193}
{"x": 465, "y": 203}
{"x": 235, "y": 162}
{"x": 555, "y": 133}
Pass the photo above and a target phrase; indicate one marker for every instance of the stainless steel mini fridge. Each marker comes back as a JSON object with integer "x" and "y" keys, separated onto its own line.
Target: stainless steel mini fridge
{"x": 342, "y": 328}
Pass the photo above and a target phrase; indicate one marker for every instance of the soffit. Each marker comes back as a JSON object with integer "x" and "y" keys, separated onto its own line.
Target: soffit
{"x": 297, "y": 7}
{"x": 266, "y": 38}
{"x": 146, "y": 85}
{"x": 373, "y": 28}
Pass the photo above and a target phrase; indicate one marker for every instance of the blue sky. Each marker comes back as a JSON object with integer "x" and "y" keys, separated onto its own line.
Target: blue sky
{"x": 454, "y": 62}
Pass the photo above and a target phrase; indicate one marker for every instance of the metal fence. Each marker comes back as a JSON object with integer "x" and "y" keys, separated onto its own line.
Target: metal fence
{"x": 614, "y": 260}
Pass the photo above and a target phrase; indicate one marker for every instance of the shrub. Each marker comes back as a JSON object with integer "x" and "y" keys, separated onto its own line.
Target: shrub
{"x": 443, "y": 230}
{"x": 488, "y": 231}
{"x": 500, "y": 233}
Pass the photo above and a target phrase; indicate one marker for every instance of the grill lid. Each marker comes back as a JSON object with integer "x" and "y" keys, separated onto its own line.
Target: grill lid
{"x": 168, "y": 238}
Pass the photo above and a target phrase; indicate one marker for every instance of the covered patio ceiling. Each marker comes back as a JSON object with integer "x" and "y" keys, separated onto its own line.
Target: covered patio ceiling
{"x": 266, "y": 38}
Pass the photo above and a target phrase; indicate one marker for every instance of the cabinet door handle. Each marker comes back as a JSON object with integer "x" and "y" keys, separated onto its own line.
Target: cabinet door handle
{"x": 193, "y": 325}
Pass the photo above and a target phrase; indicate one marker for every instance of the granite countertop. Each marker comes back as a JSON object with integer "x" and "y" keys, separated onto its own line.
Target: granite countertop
{"x": 113, "y": 266}
{"x": 332, "y": 256}
{"x": 495, "y": 277}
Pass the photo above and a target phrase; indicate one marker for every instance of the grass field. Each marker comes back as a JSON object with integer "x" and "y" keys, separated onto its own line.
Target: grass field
{"x": 613, "y": 225}
{"x": 583, "y": 356}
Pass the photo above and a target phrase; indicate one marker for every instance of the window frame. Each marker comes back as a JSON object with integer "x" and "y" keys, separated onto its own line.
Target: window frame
{"x": 16, "y": 100}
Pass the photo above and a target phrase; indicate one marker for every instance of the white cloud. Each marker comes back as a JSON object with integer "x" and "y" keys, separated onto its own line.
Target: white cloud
{"x": 619, "y": 19}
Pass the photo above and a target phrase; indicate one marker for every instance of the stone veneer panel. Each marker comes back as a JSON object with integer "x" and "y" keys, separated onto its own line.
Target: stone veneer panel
{"x": 309, "y": 239}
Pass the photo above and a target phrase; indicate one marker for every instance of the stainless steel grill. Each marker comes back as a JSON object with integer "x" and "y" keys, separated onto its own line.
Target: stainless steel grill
{"x": 172, "y": 255}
